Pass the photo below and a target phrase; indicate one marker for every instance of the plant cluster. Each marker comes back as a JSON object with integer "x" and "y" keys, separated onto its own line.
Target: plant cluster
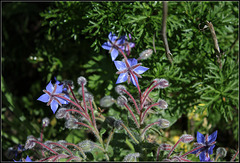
{"x": 83, "y": 114}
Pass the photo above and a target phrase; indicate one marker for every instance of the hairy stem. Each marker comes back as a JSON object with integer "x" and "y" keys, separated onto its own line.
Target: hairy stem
{"x": 164, "y": 35}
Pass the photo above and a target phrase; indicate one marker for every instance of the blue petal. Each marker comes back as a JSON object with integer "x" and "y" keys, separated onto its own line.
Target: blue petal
{"x": 120, "y": 65}
{"x": 59, "y": 89}
{"x": 49, "y": 87}
{"x": 140, "y": 69}
{"x": 112, "y": 37}
{"x": 44, "y": 98}
{"x": 131, "y": 44}
{"x": 200, "y": 138}
{"x": 54, "y": 106}
{"x": 107, "y": 45}
{"x": 202, "y": 156}
{"x": 28, "y": 159}
{"x": 133, "y": 81}
{"x": 210, "y": 150}
{"x": 122, "y": 78}
{"x": 212, "y": 137}
{"x": 114, "y": 54}
{"x": 132, "y": 61}
{"x": 121, "y": 40}
{"x": 62, "y": 101}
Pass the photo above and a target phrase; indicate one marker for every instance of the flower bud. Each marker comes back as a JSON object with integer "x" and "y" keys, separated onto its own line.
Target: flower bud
{"x": 121, "y": 100}
{"x": 80, "y": 90}
{"x": 186, "y": 138}
{"x": 71, "y": 123}
{"x": 221, "y": 152}
{"x": 163, "y": 123}
{"x": 45, "y": 121}
{"x": 82, "y": 81}
{"x": 131, "y": 157}
{"x": 86, "y": 145}
{"x": 165, "y": 147}
{"x": 119, "y": 89}
{"x": 146, "y": 54}
{"x": 89, "y": 96}
{"x": 161, "y": 83}
{"x": 30, "y": 142}
{"x": 67, "y": 83}
{"x": 61, "y": 113}
{"x": 162, "y": 104}
{"x": 118, "y": 124}
{"x": 110, "y": 120}
{"x": 107, "y": 101}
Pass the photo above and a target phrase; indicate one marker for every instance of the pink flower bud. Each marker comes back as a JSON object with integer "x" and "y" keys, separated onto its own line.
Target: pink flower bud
{"x": 165, "y": 147}
{"x": 186, "y": 138}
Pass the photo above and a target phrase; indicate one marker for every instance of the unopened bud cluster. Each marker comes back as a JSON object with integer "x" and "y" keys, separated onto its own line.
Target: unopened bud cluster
{"x": 86, "y": 145}
{"x": 82, "y": 81}
{"x": 131, "y": 157}
{"x": 163, "y": 123}
{"x": 161, "y": 83}
{"x": 120, "y": 89}
{"x": 122, "y": 100}
{"x": 45, "y": 122}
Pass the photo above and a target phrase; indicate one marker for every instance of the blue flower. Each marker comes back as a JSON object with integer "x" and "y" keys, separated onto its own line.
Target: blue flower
{"x": 113, "y": 44}
{"x": 126, "y": 73}
{"x": 50, "y": 98}
{"x": 206, "y": 145}
{"x": 26, "y": 160}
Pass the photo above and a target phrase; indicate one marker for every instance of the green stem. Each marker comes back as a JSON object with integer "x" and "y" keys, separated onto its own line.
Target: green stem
{"x": 131, "y": 135}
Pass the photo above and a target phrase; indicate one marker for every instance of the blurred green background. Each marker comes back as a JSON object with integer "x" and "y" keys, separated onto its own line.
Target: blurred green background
{"x": 63, "y": 39}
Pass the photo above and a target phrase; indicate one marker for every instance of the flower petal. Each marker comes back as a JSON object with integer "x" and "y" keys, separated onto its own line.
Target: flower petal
{"x": 112, "y": 37}
{"x": 121, "y": 40}
{"x": 202, "y": 156}
{"x": 44, "y": 98}
{"x": 59, "y": 89}
{"x": 122, "y": 78}
{"x": 28, "y": 159}
{"x": 62, "y": 101}
{"x": 120, "y": 65}
{"x": 133, "y": 81}
{"x": 210, "y": 150}
{"x": 132, "y": 61}
{"x": 49, "y": 87}
{"x": 200, "y": 138}
{"x": 107, "y": 45}
{"x": 140, "y": 69}
{"x": 114, "y": 54}
{"x": 54, "y": 106}
{"x": 212, "y": 137}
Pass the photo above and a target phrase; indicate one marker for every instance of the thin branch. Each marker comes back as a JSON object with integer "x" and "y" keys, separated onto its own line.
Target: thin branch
{"x": 164, "y": 35}
{"x": 216, "y": 46}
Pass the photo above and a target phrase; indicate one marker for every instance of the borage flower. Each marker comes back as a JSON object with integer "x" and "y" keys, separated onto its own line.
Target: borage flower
{"x": 50, "y": 96}
{"x": 207, "y": 144}
{"x": 126, "y": 73}
{"x": 26, "y": 160}
{"x": 113, "y": 44}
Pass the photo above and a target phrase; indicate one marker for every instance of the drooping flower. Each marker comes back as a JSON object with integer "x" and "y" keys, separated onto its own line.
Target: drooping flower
{"x": 206, "y": 145}
{"x": 125, "y": 71}
{"x": 50, "y": 98}
{"x": 113, "y": 44}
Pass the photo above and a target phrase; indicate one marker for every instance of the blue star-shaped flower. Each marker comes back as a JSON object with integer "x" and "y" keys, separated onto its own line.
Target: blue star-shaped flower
{"x": 50, "y": 98}
{"x": 125, "y": 71}
{"x": 113, "y": 44}
{"x": 207, "y": 144}
{"x": 26, "y": 160}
